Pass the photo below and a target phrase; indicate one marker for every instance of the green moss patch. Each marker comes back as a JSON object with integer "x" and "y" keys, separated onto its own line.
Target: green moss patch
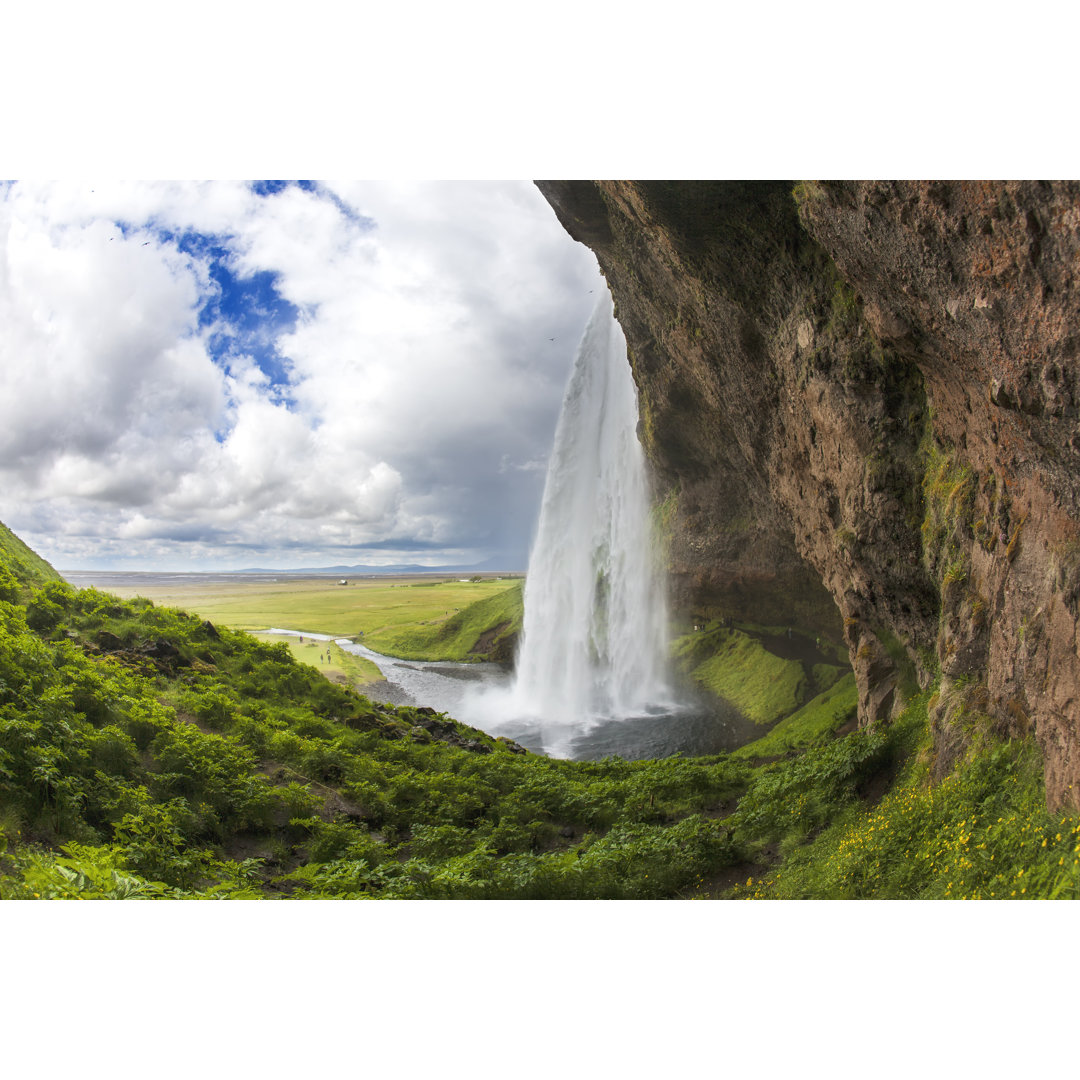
{"x": 826, "y": 676}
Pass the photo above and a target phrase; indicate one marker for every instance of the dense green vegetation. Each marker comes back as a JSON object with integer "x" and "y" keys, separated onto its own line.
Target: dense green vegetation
{"x": 27, "y": 564}
{"x": 983, "y": 832}
{"x": 146, "y": 753}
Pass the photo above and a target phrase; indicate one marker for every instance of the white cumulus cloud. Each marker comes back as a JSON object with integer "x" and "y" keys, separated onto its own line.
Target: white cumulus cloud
{"x": 399, "y": 410}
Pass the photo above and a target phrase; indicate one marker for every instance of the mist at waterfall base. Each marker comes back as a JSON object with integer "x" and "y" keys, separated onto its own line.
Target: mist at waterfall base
{"x": 592, "y": 673}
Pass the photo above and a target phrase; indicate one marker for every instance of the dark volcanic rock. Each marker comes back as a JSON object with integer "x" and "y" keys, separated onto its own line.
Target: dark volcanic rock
{"x": 159, "y": 649}
{"x": 862, "y": 401}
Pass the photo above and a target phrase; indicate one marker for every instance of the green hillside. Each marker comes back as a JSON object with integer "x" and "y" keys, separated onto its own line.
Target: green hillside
{"x": 146, "y": 753}
{"x": 29, "y": 567}
{"x": 485, "y": 630}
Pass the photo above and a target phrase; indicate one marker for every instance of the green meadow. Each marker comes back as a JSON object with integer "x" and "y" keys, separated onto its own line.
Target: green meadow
{"x": 341, "y": 667}
{"x": 405, "y": 617}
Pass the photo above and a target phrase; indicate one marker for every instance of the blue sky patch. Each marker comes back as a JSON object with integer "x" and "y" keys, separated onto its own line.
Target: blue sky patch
{"x": 269, "y": 187}
{"x": 247, "y": 315}
{"x": 275, "y": 187}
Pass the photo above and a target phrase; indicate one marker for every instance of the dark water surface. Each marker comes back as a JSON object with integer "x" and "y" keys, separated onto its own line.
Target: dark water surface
{"x": 691, "y": 731}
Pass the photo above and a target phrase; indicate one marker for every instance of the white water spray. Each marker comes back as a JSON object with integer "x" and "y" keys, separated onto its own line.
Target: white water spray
{"x": 593, "y": 642}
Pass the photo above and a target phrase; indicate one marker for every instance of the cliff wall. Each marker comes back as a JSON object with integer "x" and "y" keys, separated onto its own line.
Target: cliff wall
{"x": 861, "y": 401}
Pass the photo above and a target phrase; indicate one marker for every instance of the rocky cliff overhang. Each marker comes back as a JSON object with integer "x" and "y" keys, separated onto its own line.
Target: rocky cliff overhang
{"x": 862, "y": 403}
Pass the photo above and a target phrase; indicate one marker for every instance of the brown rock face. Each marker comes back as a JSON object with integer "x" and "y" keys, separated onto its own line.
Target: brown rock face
{"x": 863, "y": 400}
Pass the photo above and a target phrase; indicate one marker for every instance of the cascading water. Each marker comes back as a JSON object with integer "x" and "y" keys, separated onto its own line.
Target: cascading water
{"x": 594, "y": 635}
{"x": 593, "y": 643}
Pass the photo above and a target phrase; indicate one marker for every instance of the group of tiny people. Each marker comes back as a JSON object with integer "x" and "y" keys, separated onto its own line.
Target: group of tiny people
{"x": 324, "y": 658}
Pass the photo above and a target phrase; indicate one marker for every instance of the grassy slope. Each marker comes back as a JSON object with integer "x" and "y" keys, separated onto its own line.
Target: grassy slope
{"x": 195, "y": 762}
{"x": 458, "y": 637}
{"x": 982, "y": 833}
{"x": 817, "y": 719}
{"x": 735, "y": 666}
{"x": 26, "y": 564}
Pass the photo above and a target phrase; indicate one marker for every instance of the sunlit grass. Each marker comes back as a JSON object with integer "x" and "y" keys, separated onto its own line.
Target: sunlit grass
{"x": 321, "y": 605}
{"x": 342, "y": 666}
{"x": 981, "y": 833}
{"x": 814, "y": 721}
{"x": 459, "y": 637}
{"x": 762, "y": 686}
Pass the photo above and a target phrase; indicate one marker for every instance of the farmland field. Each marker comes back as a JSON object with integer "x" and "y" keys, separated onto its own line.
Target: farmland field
{"x": 375, "y": 611}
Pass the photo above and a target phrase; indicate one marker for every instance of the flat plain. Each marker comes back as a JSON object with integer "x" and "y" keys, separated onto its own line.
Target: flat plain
{"x": 364, "y": 608}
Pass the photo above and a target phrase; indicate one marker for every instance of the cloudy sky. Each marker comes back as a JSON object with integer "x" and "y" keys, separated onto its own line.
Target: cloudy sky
{"x": 226, "y": 375}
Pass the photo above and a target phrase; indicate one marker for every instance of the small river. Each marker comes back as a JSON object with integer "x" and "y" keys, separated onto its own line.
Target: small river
{"x": 478, "y": 695}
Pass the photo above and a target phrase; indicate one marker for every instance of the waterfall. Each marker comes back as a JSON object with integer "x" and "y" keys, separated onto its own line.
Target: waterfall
{"x": 594, "y": 636}
{"x": 593, "y": 645}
